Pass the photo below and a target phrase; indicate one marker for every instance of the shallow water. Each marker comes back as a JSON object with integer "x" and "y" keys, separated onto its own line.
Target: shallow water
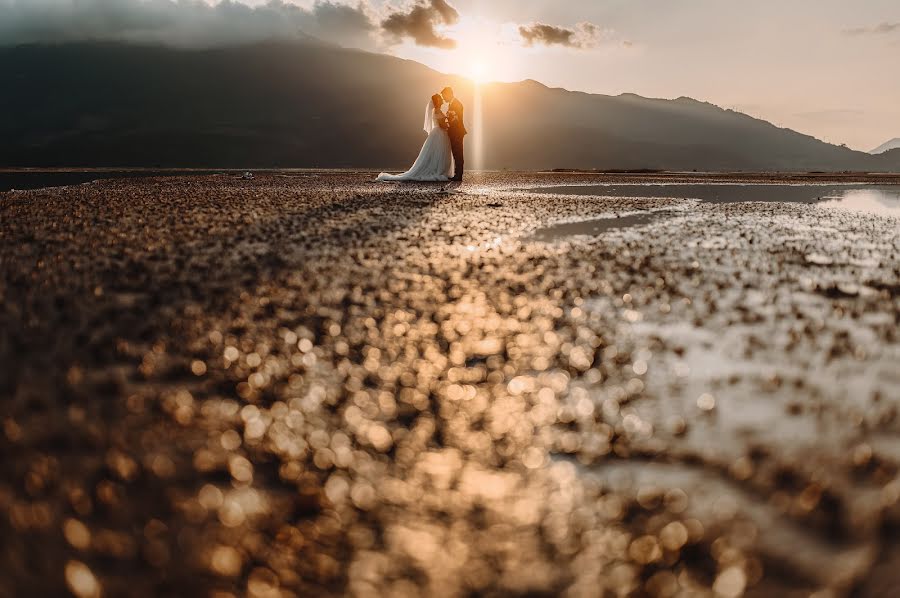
{"x": 595, "y": 226}
{"x": 883, "y": 199}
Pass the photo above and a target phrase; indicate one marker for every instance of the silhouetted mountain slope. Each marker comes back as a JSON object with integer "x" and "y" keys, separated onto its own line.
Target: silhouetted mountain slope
{"x": 314, "y": 105}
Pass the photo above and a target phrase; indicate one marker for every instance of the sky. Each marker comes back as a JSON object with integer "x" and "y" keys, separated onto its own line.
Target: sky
{"x": 823, "y": 67}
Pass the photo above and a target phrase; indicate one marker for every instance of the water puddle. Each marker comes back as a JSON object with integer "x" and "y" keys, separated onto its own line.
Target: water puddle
{"x": 595, "y": 226}
{"x": 883, "y": 199}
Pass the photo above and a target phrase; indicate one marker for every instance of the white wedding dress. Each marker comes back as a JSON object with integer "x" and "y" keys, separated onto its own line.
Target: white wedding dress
{"x": 435, "y": 161}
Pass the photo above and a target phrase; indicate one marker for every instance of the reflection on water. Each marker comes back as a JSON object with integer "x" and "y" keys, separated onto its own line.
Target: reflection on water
{"x": 595, "y": 226}
{"x": 882, "y": 199}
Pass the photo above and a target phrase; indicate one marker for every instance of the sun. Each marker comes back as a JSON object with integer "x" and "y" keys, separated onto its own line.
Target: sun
{"x": 479, "y": 71}
{"x": 481, "y": 54}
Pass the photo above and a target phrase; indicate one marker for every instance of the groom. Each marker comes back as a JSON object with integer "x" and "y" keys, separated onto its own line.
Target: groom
{"x": 457, "y": 131}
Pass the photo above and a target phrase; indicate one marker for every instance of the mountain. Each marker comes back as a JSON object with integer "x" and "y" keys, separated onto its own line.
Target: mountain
{"x": 309, "y": 104}
{"x": 887, "y": 146}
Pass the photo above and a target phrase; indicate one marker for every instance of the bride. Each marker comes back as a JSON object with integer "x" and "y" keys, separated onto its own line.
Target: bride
{"x": 435, "y": 161}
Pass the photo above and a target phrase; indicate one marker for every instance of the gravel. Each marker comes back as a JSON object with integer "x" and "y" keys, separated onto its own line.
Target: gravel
{"x": 311, "y": 384}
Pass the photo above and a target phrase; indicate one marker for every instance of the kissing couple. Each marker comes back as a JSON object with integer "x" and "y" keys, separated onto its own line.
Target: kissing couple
{"x": 442, "y": 157}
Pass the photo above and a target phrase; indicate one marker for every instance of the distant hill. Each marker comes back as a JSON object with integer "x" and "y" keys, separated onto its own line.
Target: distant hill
{"x": 887, "y": 146}
{"x": 314, "y": 105}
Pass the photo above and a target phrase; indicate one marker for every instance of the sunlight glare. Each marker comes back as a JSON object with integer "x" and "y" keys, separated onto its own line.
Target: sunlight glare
{"x": 478, "y": 72}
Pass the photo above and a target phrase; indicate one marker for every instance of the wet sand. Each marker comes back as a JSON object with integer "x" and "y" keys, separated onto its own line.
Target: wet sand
{"x": 311, "y": 384}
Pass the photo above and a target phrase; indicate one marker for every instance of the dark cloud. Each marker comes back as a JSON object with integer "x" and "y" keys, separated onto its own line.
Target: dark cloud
{"x": 342, "y": 20}
{"x": 879, "y": 29}
{"x": 420, "y": 24}
{"x": 583, "y": 35}
{"x": 549, "y": 35}
{"x": 182, "y": 23}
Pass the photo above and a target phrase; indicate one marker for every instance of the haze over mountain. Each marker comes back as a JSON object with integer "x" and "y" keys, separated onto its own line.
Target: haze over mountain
{"x": 309, "y": 104}
{"x": 887, "y": 146}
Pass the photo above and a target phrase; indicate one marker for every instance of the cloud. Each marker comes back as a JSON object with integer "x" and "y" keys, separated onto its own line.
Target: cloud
{"x": 879, "y": 29}
{"x": 420, "y": 24}
{"x": 181, "y": 23}
{"x": 583, "y": 35}
{"x": 341, "y": 20}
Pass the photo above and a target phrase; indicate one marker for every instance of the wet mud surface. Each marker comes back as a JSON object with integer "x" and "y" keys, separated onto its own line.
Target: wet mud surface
{"x": 318, "y": 385}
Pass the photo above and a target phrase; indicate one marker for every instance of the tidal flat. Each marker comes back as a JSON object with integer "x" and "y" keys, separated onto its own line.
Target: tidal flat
{"x": 308, "y": 383}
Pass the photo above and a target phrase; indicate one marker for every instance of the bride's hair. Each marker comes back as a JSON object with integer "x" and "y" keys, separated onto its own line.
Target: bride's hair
{"x": 437, "y": 100}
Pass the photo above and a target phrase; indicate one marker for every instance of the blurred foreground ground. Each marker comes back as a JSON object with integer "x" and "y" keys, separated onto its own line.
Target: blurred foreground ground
{"x": 310, "y": 384}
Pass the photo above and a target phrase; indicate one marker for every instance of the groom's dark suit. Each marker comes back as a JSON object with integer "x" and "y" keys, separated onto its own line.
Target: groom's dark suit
{"x": 457, "y": 132}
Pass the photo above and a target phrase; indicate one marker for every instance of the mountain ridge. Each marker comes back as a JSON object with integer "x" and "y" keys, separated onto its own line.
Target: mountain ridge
{"x": 318, "y": 105}
{"x": 887, "y": 146}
